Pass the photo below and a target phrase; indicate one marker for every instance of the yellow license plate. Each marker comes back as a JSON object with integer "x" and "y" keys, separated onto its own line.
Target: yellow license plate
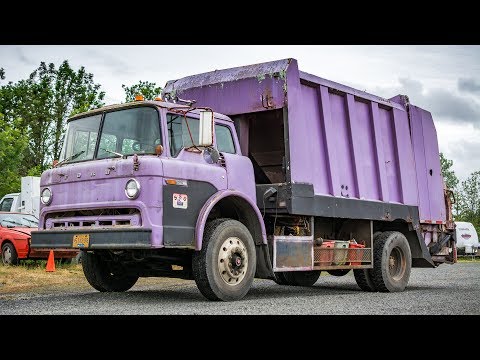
{"x": 81, "y": 240}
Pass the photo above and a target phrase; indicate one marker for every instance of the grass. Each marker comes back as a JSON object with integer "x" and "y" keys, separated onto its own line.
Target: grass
{"x": 468, "y": 259}
{"x": 31, "y": 276}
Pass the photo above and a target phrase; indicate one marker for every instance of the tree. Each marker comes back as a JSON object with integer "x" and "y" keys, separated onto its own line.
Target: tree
{"x": 149, "y": 90}
{"x": 43, "y": 102}
{"x": 70, "y": 92}
{"x": 470, "y": 200}
{"x": 13, "y": 141}
{"x": 449, "y": 176}
{"x": 2, "y": 74}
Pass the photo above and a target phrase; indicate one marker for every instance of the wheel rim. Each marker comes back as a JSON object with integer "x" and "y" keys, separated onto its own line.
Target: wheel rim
{"x": 7, "y": 255}
{"x": 397, "y": 264}
{"x": 233, "y": 261}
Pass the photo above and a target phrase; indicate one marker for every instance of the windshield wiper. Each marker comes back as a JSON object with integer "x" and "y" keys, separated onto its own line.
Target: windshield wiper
{"x": 30, "y": 221}
{"x": 73, "y": 157}
{"x": 115, "y": 153}
{"x": 13, "y": 222}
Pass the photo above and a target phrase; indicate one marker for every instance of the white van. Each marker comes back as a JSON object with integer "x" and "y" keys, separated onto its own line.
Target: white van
{"x": 467, "y": 238}
{"x": 27, "y": 201}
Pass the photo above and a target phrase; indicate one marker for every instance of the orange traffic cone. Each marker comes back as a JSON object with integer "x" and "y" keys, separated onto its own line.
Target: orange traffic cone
{"x": 50, "y": 262}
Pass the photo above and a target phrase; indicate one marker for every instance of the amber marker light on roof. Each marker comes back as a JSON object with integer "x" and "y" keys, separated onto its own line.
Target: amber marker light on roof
{"x": 139, "y": 98}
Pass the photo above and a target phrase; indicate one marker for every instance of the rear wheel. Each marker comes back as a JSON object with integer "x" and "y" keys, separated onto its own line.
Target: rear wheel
{"x": 302, "y": 278}
{"x": 225, "y": 266}
{"x": 364, "y": 279}
{"x": 106, "y": 276}
{"x": 280, "y": 278}
{"x": 339, "y": 272}
{"x": 9, "y": 254}
{"x": 392, "y": 262}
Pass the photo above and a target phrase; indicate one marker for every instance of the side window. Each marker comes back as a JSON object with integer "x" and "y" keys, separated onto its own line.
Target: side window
{"x": 178, "y": 134}
{"x": 224, "y": 139}
{"x": 6, "y": 204}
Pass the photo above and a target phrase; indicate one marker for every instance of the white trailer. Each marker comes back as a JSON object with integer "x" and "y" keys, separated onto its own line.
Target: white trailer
{"x": 467, "y": 238}
{"x": 27, "y": 200}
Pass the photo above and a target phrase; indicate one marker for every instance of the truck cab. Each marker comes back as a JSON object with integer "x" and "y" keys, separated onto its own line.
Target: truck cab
{"x": 10, "y": 202}
{"x": 135, "y": 188}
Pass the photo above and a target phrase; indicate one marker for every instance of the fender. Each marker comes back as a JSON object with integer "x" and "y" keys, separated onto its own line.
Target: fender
{"x": 211, "y": 202}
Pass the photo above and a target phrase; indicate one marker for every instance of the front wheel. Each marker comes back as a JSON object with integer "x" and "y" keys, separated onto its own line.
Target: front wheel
{"x": 392, "y": 262}
{"x": 9, "y": 254}
{"x": 106, "y": 276}
{"x": 225, "y": 266}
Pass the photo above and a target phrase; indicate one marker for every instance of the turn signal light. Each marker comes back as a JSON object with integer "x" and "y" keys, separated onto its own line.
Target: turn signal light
{"x": 158, "y": 150}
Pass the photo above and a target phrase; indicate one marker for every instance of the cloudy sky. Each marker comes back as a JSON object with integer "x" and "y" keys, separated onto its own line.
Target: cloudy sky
{"x": 442, "y": 79}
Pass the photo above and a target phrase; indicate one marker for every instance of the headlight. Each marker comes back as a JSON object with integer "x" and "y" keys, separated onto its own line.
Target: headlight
{"x": 132, "y": 189}
{"x": 46, "y": 196}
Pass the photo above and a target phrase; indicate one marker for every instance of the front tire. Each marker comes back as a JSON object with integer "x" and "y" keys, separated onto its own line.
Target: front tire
{"x": 225, "y": 266}
{"x": 392, "y": 262}
{"x": 106, "y": 276}
{"x": 9, "y": 254}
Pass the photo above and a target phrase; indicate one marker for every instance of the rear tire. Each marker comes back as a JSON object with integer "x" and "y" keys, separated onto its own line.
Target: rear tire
{"x": 280, "y": 278}
{"x": 9, "y": 254}
{"x": 364, "y": 279}
{"x": 392, "y": 262}
{"x": 225, "y": 266}
{"x": 339, "y": 272}
{"x": 302, "y": 278}
{"x": 104, "y": 277}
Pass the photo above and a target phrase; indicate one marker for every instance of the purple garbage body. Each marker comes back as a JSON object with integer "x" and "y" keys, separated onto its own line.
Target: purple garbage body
{"x": 345, "y": 142}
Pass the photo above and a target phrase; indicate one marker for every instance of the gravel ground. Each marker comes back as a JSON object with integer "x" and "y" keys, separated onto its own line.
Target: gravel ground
{"x": 447, "y": 290}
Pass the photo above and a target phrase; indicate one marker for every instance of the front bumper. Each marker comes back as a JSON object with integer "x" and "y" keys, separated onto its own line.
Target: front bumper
{"x": 115, "y": 239}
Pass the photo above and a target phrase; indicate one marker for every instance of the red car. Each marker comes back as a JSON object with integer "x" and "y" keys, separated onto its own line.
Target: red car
{"x": 15, "y": 239}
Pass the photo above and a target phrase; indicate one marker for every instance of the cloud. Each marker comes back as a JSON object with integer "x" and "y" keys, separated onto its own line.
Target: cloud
{"x": 444, "y": 105}
{"x": 23, "y": 58}
{"x": 468, "y": 85}
{"x": 111, "y": 63}
{"x": 465, "y": 152}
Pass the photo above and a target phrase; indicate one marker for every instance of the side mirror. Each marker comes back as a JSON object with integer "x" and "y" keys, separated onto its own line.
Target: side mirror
{"x": 205, "y": 133}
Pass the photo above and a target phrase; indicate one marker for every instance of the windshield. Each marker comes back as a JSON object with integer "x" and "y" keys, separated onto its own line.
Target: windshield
{"x": 126, "y": 132}
{"x": 18, "y": 220}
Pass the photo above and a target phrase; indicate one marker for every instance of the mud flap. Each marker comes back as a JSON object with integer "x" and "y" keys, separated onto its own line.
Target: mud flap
{"x": 264, "y": 264}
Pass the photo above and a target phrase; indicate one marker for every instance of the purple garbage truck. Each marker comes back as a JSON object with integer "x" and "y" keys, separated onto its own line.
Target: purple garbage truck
{"x": 255, "y": 171}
